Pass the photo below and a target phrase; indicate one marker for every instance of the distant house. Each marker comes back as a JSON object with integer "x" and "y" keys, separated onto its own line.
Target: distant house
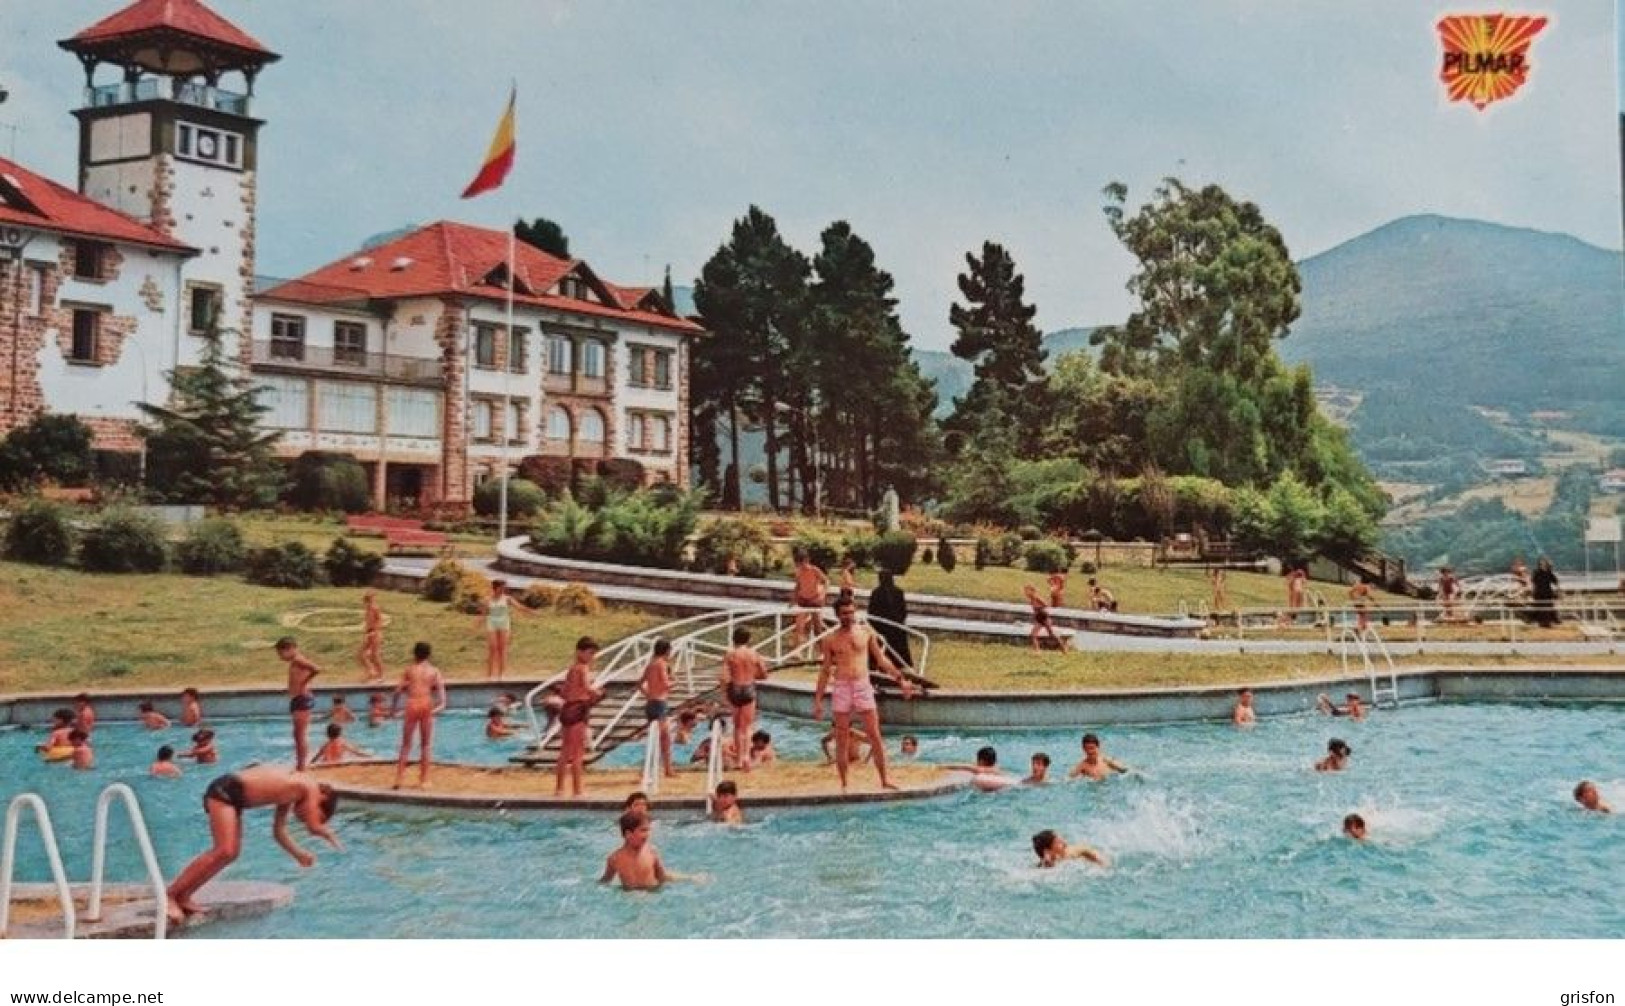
{"x": 1612, "y": 481}
{"x": 1506, "y": 468}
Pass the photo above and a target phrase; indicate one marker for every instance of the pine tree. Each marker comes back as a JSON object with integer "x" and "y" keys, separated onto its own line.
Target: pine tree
{"x": 997, "y": 334}
{"x": 544, "y": 234}
{"x": 206, "y": 445}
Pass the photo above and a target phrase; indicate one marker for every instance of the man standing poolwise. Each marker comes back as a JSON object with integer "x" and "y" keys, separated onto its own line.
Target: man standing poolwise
{"x": 847, "y": 651}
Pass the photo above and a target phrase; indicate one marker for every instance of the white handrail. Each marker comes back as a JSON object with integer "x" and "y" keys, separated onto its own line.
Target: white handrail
{"x": 98, "y": 856}
{"x": 8, "y": 861}
{"x": 653, "y": 770}
{"x": 713, "y": 764}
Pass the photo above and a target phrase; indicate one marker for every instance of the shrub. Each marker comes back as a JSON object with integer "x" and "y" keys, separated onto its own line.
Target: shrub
{"x": 551, "y": 475}
{"x": 945, "y": 555}
{"x": 1088, "y": 567}
{"x": 860, "y": 548}
{"x": 124, "y": 541}
{"x": 538, "y": 596}
{"x": 824, "y": 551}
{"x": 320, "y": 480}
{"x": 577, "y": 599}
{"x": 895, "y": 551}
{"x": 928, "y": 555}
{"x": 53, "y": 448}
{"x": 1029, "y": 532}
{"x": 348, "y": 566}
{"x": 637, "y": 529}
{"x": 1045, "y": 557}
{"x": 290, "y": 565}
{"x": 211, "y": 546}
{"x": 1008, "y": 549}
{"x": 471, "y": 592}
{"x": 744, "y": 540}
{"x": 39, "y": 533}
{"x": 621, "y": 474}
{"x": 441, "y": 583}
{"x": 524, "y": 498}
{"x": 984, "y": 553}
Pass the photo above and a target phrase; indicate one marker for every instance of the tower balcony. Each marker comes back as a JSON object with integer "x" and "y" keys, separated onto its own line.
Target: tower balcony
{"x": 167, "y": 89}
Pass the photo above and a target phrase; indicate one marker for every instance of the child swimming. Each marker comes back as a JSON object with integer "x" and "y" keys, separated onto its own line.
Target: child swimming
{"x": 725, "y": 804}
{"x": 1337, "y": 756}
{"x": 1038, "y": 774}
{"x": 1354, "y": 827}
{"x": 985, "y": 774}
{"x": 636, "y": 864}
{"x": 164, "y": 767}
{"x": 151, "y": 718}
{"x": 1586, "y": 795}
{"x": 203, "y": 749}
{"x": 1095, "y": 765}
{"x": 337, "y": 748}
{"x": 1052, "y": 849}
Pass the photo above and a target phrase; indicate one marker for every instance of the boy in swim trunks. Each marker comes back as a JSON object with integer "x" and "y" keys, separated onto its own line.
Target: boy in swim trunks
{"x": 742, "y": 667}
{"x": 370, "y": 656}
{"x": 761, "y": 748}
{"x": 1052, "y": 849}
{"x": 811, "y": 587}
{"x": 425, "y": 692}
{"x": 337, "y": 748}
{"x": 578, "y": 695}
{"x": 61, "y": 728}
{"x": 84, "y": 759}
{"x": 225, "y": 801}
{"x": 191, "y": 708}
{"x": 985, "y": 774}
{"x": 164, "y": 767}
{"x": 847, "y": 653}
{"x": 301, "y": 672}
{"x": 496, "y": 724}
{"x": 636, "y": 864}
{"x": 1095, "y": 765}
{"x": 656, "y": 688}
{"x": 84, "y": 713}
{"x": 151, "y": 718}
{"x": 1041, "y": 620}
{"x": 725, "y": 804}
{"x": 377, "y": 710}
{"x": 1243, "y": 714}
{"x": 638, "y": 801}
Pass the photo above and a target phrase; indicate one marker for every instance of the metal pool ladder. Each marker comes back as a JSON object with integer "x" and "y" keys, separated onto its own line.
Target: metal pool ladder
{"x": 93, "y": 913}
{"x": 1384, "y": 680}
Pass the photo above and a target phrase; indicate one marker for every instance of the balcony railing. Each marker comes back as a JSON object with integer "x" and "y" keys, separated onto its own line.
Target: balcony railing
{"x": 349, "y": 362}
{"x": 155, "y": 88}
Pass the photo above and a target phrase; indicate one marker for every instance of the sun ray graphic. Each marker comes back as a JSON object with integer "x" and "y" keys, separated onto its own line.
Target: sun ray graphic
{"x": 1486, "y": 56}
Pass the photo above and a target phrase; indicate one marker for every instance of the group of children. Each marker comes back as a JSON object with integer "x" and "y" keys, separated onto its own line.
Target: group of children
{"x": 69, "y": 739}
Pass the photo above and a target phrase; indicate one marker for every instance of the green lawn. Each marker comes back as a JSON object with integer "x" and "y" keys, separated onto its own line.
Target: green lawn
{"x": 317, "y": 533}
{"x": 62, "y": 629}
{"x": 973, "y": 666}
{"x": 1138, "y": 589}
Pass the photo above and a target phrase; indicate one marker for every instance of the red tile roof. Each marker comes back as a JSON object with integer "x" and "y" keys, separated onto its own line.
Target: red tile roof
{"x": 31, "y": 200}
{"x": 446, "y": 258}
{"x": 186, "y": 16}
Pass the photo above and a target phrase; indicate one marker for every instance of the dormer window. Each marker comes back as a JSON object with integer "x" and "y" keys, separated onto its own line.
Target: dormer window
{"x": 573, "y": 287}
{"x": 359, "y": 263}
{"x": 88, "y": 259}
{"x": 400, "y": 264}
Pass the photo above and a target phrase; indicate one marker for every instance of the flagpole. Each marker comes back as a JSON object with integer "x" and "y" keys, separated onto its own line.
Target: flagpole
{"x": 507, "y": 405}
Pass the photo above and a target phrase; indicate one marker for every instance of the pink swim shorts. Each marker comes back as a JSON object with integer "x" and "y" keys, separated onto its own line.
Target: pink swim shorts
{"x": 853, "y": 696}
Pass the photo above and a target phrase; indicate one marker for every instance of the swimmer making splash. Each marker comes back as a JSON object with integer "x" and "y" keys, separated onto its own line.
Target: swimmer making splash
{"x": 1095, "y": 765}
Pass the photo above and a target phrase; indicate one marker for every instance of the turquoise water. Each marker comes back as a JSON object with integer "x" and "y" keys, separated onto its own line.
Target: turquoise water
{"x": 1229, "y": 834}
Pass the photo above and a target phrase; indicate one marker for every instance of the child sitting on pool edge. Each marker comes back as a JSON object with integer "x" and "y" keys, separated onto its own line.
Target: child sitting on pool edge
{"x": 1052, "y": 849}
{"x": 337, "y": 748}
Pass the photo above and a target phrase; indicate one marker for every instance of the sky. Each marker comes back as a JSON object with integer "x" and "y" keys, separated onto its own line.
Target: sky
{"x": 646, "y": 128}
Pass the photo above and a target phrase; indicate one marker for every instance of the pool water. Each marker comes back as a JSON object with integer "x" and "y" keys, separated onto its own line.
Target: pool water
{"x": 1226, "y": 834}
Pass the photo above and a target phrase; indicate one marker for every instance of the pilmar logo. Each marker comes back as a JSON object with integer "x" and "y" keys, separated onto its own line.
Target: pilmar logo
{"x": 1486, "y": 56}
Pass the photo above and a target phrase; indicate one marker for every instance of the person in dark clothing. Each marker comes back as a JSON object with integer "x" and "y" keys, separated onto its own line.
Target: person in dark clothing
{"x": 1543, "y": 588}
{"x": 887, "y": 601}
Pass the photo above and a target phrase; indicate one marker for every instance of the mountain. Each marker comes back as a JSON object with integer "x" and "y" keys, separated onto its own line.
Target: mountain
{"x": 1465, "y": 312}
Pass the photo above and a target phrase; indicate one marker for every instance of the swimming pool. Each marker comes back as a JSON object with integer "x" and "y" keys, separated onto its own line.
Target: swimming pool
{"x": 1228, "y": 834}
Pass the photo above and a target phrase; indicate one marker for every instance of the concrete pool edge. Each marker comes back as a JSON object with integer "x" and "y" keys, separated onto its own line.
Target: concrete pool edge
{"x": 376, "y": 797}
{"x": 1009, "y": 710}
{"x": 944, "y": 709}
{"x": 130, "y": 912}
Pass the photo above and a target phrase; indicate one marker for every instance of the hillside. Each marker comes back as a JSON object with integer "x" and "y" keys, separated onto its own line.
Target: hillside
{"x": 1463, "y": 311}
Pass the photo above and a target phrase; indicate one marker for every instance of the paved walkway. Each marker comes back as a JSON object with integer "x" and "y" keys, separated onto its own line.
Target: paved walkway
{"x": 1100, "y": 641}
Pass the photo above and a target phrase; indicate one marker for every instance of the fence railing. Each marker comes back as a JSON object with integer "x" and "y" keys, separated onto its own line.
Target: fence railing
{"x": 347, "y": 362}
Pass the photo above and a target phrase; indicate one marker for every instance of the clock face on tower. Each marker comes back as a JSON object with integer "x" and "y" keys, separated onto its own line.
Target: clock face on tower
{"x": 208, "y": 145}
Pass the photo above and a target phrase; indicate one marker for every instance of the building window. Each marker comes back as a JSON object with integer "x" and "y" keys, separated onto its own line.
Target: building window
{"x": 636, "y": 432}
{"x": 288, "y": 399}
{"x": 482, "y": 420}
{"x": 485, "y": 347}
{"x": 592, "y": 427}
{"x": 414, "y": 412}
{"x": 87, "y": 259}
{"x": 87, "y": 326}
{"x": 558, "y": 355}
{"x": 558, "y": 424}
{"x": 662, "y": 369}
{"x": 36, "y": 289}
{"x": 518, "y": 357}
{"x": 347, "y": 408}
{"x": 515, "y": 426}
{"x": 202, "y": 308}
{"x": 287, "y": 337}
{"x": 350, "y": 343}
{"x": 592, "y": 358}
{"x": 662, "y": 433}
{"x": 572, "y": 287}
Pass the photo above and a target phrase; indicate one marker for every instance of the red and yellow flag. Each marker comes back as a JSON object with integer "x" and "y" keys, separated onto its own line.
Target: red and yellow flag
{"x": 499, "y": 159}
